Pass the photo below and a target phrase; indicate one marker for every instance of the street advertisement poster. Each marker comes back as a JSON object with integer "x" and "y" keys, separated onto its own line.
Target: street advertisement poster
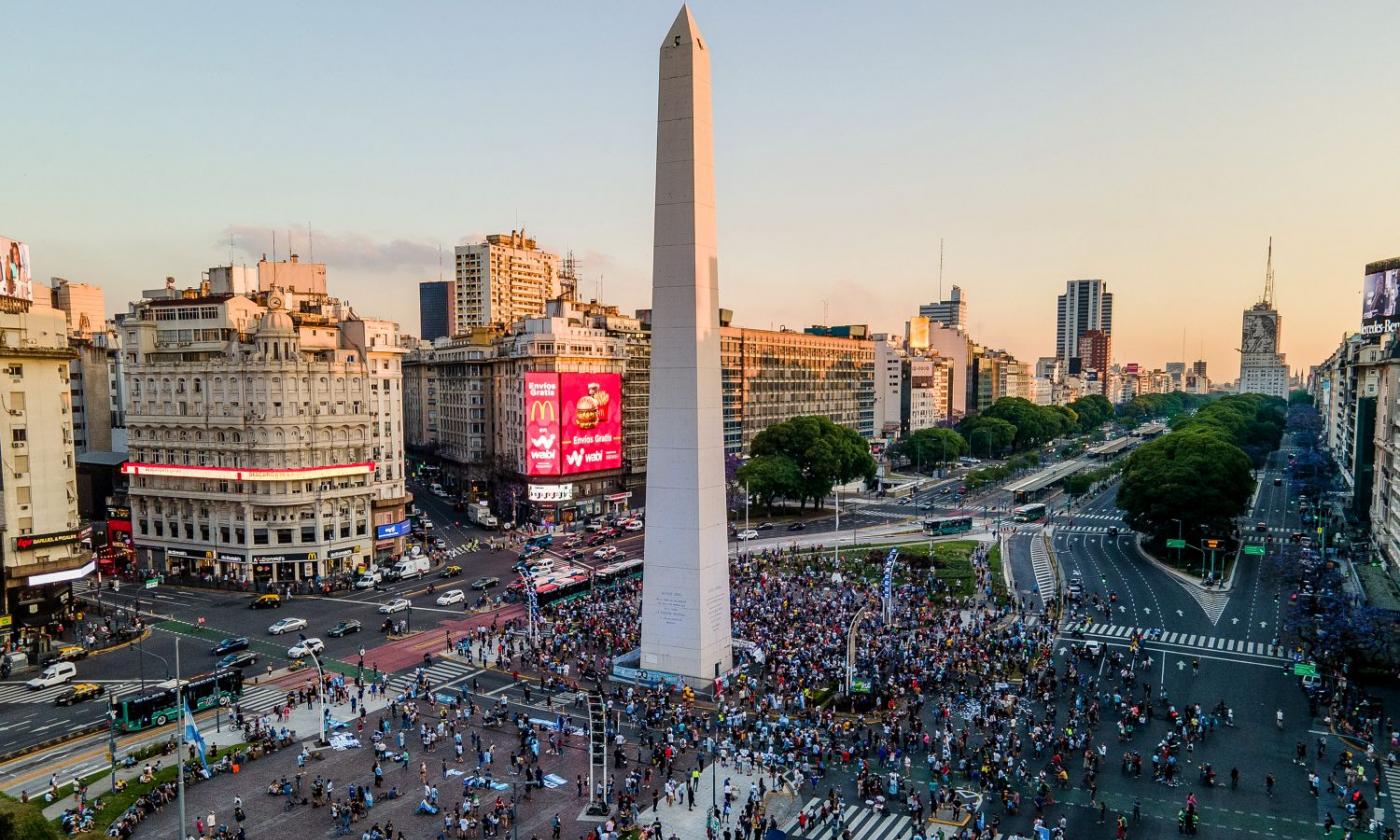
{"x": 541, "y": 424}
{"x": 15, "y": 280}
{"x": 591, "y": 410}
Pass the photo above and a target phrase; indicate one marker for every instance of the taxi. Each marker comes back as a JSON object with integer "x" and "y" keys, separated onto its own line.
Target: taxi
{"x": 71, "y": 653}
{"x": 451, "y": 571}
{"x": 78, "y": 692}
{"x": 269, "y": 601}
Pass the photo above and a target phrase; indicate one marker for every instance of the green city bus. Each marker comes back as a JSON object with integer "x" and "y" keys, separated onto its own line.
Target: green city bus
{"x": 157, "y": 706}
{"x": 947, "y": 525}
{"x": 1029, "y": 513}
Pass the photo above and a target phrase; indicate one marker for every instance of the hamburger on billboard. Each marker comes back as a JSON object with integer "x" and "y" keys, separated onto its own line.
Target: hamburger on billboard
{"x": 1380, "y": 299}
{"x": 15, "y": 281}
{"x": 573, "y": 423}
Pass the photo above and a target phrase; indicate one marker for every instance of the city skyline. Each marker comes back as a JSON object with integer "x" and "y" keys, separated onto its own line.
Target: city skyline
{"x": 917, "y": 151}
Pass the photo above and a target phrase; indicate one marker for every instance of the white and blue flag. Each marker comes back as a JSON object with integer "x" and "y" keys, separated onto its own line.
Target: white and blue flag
{"x": 192, "y": 736}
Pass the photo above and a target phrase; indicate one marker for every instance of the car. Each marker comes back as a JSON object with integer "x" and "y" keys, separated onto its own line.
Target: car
{"x": 1261, "y": 527}
{"x": 764, "y": 526}
{"x": 67, "y": 653}
{"x": 344, "y": 627}
{"x": 439, "y": 543}
{"x": 633, "y": 525}
{"x": 56, "y": 674}
{"x": 595, "y": 525}
{"x": 286, "y": 625}
{"x": 598, "y": 539}
{"x": 906, "y": 501}
{"x": 607, "y": 552}
{"x": 484, "y": 583}
{"x": 450, "y": 597}
{"x": 530, "y": 551}
{"x": 1113, "y": 530}
{"x": 305, "y": 647}
{"x": 1093, "y": 649}
{"x": 270, "y": 601}
{"x": 1076, "y": 586}
{"x": 451, "y": 571}
{"x": 239, "y": 659}
{"x": 797, "y": 526}
{"x": 396, "y": 605}
{"x": 78, "y": 692}
{"x": 230, "y": 645}
{"x": 749, "y": 534}
{"x": 1278, "y": 482}
{"x": 926, "y": 506}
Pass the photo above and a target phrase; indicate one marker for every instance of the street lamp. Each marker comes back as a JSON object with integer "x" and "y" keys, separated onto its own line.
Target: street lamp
{"x": 320, "y": 685}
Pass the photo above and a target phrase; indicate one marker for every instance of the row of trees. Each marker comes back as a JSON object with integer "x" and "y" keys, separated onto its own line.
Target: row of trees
{"x": 1200, "y": 477}
{"x": 1147, "y": 406}
{"x": 1011, "y": 424}
{"x": 801, "y": 459}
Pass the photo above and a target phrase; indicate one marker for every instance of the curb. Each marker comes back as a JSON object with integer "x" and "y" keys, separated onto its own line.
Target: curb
{"x": 1182, "y": 577}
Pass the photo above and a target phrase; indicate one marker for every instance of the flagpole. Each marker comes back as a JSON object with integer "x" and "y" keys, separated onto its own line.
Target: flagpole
{"x": 180, "y": 752}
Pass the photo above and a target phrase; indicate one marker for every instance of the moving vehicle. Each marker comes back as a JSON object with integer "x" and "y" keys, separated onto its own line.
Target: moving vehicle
{"x": 56, "y": 674}
{"x": 239, "y": 659}
{"x": 230, "y": 645}
{"x": 633, "y": 525}
{"x": 396, "y": 605}
{"x": 764, "y": 526}
{"x": 1113, "y": 530}
{"x": 1029, "y": 513}
{"x": 439, "y": 543}
{"x": 540, "y": 566}
{"x": 484, "y": 583}
{"x": 939, "y": 526}
{"x": 542, "y": 541}
{"x": 67, "y": 653}
{"x": 1076, "y": 587}
{"x": 270, "y": 601}
{"x": 436, "y": 490}
{"x": 450, "y": 597}
{"x": 79, "y": 692}
{"x": 344, "y": 627}
{"x": 479, "y": 514}
{"x": 158, "y": 706}
{"x": 749, "y": 534}
{"x": 607, "y": 552}
{"x": 566, "y": 586}
{"x": 1261, "y": 527}
{"x": 306, "y": 647}
{"x": 530, "y": 551}
{"x": 413, "y": 566}
{"x": 797, "y": 526}
{"x": 451, "y": 571}
{"x": 286, "y": 625}
{"x": 369, "y": 579}
{"x": 1278, "y": 482}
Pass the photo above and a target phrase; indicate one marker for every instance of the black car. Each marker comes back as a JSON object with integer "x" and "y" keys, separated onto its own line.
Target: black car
{"x": 239, "y": 659}
{"x": 230, "y": 645}
{"x": 797, "y": 526}
{"x": 484, "y": 583}
{"x": 343, "y": 628}
{"x": 764, "y": 526}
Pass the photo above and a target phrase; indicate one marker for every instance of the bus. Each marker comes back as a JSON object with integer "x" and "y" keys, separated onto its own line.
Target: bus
{"x": 947, "y": 525}
{"x": 1029, "y": 513}
{"x": 570, "y": 585}
{"x": 157, "y": 706}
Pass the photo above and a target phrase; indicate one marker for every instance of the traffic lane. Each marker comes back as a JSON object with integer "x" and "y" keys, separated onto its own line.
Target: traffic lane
{"x": 26, "y": 724}
{"x": 1149, "y": 597}
{"x": 1178, "y": 611}
{"x": 1022, "y": 568}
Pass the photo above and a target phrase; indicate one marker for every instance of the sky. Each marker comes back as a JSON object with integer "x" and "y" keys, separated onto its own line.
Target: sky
{"x": 1155, "y": 145}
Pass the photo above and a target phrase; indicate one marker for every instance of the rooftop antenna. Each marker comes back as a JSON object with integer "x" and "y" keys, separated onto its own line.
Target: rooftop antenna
{"x": 825, "y": 322}
{"x": 940, "y": 269}
{"x": 1269, "y": 277}
{"x": 439, "y": 262}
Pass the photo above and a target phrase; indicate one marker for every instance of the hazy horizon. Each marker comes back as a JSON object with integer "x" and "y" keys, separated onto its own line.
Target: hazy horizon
{"x": 1156, "y": 146}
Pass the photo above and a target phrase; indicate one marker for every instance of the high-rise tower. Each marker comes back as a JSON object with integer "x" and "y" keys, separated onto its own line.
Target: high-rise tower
{"x": 685, "y": 602}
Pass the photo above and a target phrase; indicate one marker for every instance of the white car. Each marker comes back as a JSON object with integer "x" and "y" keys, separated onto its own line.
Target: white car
{"x": 396, "y": 605}
{"x": 302, "y": 648}
{"x": 287, "y": 625}
{"x": 749, "y": 534}
{"x": 634, "y": 525}
{"x": 56, "y": 674}
{"x": 607, "y": 552}
{"x": 451, "y": 596}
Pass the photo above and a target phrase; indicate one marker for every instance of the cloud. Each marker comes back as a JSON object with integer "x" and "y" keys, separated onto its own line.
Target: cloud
{"x": 343, "y": 250}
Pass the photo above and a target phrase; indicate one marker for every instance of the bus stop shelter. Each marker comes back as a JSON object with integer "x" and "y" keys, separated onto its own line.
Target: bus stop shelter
{"x": 1033, "y": 487}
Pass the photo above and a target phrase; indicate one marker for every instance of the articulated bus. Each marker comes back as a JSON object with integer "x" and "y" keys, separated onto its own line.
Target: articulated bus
{"x": 157, "y": 706}
{"x": 568, "y": 587}
{"x": 1029, "y": 513}
{"x": 947, "y": 525}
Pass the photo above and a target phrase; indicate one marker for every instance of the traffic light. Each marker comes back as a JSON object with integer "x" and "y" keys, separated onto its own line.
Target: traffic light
{"x": 1212, "y": 544}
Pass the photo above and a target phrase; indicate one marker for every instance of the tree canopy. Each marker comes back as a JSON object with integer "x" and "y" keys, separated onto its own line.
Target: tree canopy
{"x": 932, "y": 446}
{"x": 987, "y": 436}
{"x": 1193, "y": 475}
{"x": 1035, "y": 424}
{"x": 802, "y": 458}
{"x": 1092, "y": 411}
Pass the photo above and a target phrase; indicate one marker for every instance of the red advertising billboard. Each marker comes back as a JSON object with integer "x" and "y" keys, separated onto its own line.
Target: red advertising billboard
{"x": 541, "y": 424}
{"x": 591, "y": 416}
{"x": 573, "y": 423}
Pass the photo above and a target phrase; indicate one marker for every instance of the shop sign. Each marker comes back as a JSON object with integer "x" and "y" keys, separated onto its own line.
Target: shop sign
{"x": 337, "y": 553}
{"x": 618, "y": 497}
{"x": 551, "y": 492}
{"x": 28, "y": 541}
{"x": 185, "y": 554}
{"x": 393, "y": 530}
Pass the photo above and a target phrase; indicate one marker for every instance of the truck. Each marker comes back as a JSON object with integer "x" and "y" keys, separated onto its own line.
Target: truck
{"x": 412, "y": 566}
{"x": 479, "y": 513}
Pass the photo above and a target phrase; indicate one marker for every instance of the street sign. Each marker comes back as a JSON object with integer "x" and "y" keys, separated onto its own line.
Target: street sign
{"x": 1254, "y": 549}
{"x": 1304, "y": 669}
{"x": 152, "y": 583}
{"x": 1176, "y": 543}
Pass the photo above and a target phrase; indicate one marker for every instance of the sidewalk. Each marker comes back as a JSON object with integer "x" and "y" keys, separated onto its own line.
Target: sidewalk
{"x": 684, "y": 822}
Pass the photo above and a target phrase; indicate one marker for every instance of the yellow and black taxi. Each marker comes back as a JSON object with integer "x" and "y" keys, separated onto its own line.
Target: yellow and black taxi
{"x": 67, "y": 653}
{"x": 451, "y": 571}
{"x": 270, "y": 601}
{"x": 78, "y": 692}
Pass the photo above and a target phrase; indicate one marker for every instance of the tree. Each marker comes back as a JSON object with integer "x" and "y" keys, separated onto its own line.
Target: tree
{"x": 1034, "y": 424}
{"x": 1194, "y": 475}
{"x": 24, "y": 821}
{"x": 1092, "y": 411}
{"x": 771, "y": 477}
{"x": 823, "y": 453}
{"x": 987, "y": 436}
{"x": 928, "y": 447}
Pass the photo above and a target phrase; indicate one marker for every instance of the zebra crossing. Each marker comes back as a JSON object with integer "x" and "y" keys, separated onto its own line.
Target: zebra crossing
{"x": 1392, "y": 785}
{"x": 863, "y": 824}
{"x": 18, "y": 692}
{"x": 440, "y": 673}
{"x": 1196, "y": 641}
{"x": 259, "y": 699}
{"x": 1043, "y": 566}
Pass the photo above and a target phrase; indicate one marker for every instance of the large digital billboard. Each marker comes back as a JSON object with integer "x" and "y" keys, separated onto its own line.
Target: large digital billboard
{"x": 15, "y": 280}
{"x": 1380, "y": 299}
{"x": 573, "y": 423}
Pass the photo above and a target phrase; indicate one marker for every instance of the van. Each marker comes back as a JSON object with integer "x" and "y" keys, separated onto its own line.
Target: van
{"x": 412, "y": 567}
{"x": 368, "y": 579}
{"x": 540, "y": 566}
{"x": 56, "y": 674}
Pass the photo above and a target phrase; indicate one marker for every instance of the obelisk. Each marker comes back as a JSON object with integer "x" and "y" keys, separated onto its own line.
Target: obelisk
{"x": 685, "y": 592}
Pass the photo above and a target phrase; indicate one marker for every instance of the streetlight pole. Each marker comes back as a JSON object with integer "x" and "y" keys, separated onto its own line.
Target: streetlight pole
{"x": 746, "y": 506}
{"x": 320, "y": 686}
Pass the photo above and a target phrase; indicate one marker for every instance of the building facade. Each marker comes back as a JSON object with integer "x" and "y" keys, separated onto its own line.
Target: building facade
{"x": 502, "y": 280}
{"x": 1085, "y": 305}
{"x": 951, "y": 312}
{"x": 1262, "y": 367}
{"x": 437, "y": 309}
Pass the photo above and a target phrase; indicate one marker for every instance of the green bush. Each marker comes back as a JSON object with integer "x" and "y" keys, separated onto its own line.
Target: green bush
{"x": 24, "y": 821}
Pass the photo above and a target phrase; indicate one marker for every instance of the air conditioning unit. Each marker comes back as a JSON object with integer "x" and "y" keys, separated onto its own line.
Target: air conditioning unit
{"x": 16, "y": 412}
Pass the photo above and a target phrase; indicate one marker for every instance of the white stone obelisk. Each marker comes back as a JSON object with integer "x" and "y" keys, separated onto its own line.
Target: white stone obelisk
{"x": 685, "y": 593}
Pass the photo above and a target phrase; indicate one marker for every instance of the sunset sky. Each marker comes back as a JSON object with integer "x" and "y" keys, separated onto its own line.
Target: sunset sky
{"x": 1155, "y": 145}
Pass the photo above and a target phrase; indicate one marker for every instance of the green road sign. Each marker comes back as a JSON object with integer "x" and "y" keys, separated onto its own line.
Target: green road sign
{"x": 860, "y": 685}
{"x": 1304, "y": 669}
{"x": 152, "y": 583}
{"x": 1176, "y": 543}
{"x": 1254, "y": 549}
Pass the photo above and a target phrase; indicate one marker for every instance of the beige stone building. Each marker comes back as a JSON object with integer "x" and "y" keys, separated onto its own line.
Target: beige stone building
{"x": 502, "y": 280}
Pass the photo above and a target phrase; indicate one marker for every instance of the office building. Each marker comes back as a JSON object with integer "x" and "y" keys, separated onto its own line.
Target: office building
{"x": 502, "y": 280}
{"x": 83, "y": 306}
{"x": 1262, "y": 367}
{"x": 923, "y": 393}
{"x": 889, "y": 376}
{"x": 951, "y": 312}
{"x": 1086, "y": 305}
{"x": 437, "y": 303}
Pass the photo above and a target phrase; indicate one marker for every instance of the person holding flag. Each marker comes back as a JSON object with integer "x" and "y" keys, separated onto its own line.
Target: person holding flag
{"x": 193, "y": 738}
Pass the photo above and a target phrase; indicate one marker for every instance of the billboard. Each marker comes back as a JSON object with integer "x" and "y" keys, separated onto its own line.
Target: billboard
{"x": 1380, "y": 298}
{"x": 15, "y": 281}
{"x": 573, "y": 423}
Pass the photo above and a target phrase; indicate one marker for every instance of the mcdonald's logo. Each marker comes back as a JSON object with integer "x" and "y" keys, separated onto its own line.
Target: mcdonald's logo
{"x": 544, "y": 411}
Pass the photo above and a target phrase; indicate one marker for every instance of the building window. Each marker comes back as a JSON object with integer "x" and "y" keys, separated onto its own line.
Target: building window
{"x": 259, "y": 536}
{"x": 284, "y": 536}
{"x": 18, "y": 434}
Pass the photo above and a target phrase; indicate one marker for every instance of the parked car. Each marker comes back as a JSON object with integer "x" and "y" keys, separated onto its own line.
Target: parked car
{"x": 79, "y": 692}
{"x": 396, "y": 605}
{"x": 450, "y": 597}
{"x": 286, "y": 625}
{"x": 484, "y": 583}
{"x": 798, "y": 526}
{"x": 270, "y": 601}
{"x": 67, "y": 653}
{"x": 304, "y": 647}
{"x": 749, "y": 534}
{"x": 239, "y": 659}
{"x": 344, "y": 627}
{"x": 56, "y": 674}
{"x": 230, "y": 645}
{"x": 369, "y": 579}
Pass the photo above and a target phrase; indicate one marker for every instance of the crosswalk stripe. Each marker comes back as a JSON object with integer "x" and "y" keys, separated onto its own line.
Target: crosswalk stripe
{"x": 20, "y": 693}
{"x": 1249, "y": 648}
{"x": 1171, "y": 637}
{"x": 1194, "y": 640}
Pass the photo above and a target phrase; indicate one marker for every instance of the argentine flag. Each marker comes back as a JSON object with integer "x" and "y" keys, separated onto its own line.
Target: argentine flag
{"x": 192, "y": 736}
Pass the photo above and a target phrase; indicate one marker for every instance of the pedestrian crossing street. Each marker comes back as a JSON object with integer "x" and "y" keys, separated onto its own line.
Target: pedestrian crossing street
{"x": 1191, "y": 640}
{"x": 862, "y": 822}
{"x": 18, "y": 692}
{"x": 440, "y": 673}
